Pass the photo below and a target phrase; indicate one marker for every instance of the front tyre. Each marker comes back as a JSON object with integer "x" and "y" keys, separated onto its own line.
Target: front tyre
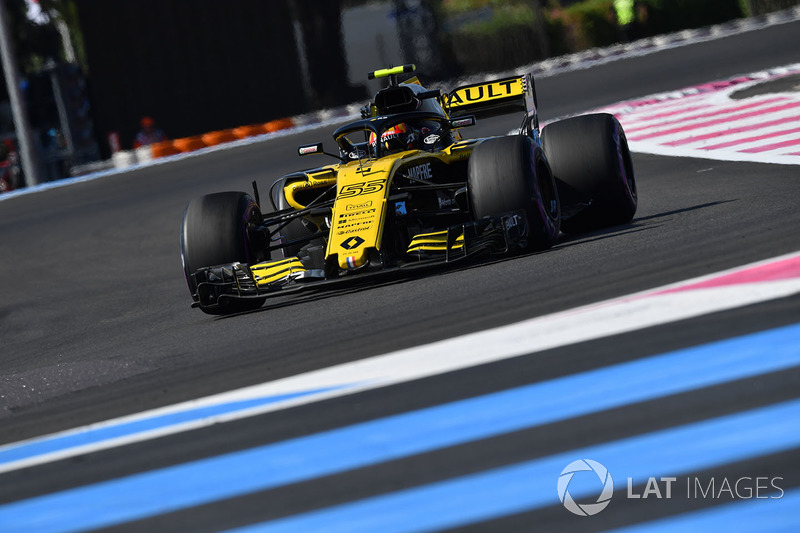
{"x": 509, "y": 174}
{"x": 214, "y": 232}
{"x": 592, "y": 165}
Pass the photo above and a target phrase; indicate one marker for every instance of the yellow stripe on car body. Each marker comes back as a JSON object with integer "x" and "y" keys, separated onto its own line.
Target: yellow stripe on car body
{"x": 274, "y": 272}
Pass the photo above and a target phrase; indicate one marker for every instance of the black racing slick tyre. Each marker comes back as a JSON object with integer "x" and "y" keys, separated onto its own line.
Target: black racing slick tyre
{"x": 214, "y": 232}
{"x": 592, "y": 165}
{"x": 509, "y": 174}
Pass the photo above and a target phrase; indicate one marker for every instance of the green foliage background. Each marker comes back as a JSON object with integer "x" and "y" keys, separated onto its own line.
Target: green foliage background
{"x": 485, "y": 35}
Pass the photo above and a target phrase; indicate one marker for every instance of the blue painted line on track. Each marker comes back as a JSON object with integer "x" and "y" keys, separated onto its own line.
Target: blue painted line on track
{"x": 762, "y": 515}
{"x": 235, "y": 474}
{"x": 560, "y": 398}
{"x": 92, "y": 436}
{"x": 532, "y": 485}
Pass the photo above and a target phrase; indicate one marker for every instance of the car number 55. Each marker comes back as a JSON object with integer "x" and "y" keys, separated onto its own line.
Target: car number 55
{"x": 364, "y": 187}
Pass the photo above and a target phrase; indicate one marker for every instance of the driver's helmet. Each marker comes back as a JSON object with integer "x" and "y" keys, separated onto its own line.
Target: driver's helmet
{"x": 396, "y": 139}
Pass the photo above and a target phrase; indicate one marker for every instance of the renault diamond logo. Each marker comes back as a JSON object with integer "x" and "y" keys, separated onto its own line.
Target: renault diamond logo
{"x": 352, "y": 242}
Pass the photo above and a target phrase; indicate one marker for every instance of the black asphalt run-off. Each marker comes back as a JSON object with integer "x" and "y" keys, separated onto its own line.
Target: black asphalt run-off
{"x": 786, "y": 84}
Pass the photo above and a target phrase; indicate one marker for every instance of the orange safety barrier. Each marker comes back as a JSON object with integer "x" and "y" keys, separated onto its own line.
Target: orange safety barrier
{"x": 279, "y": 124}
{"x": 163, "y": 149}
{"x": 196, "y": 142}
{"x": 218, "y": 137}
{"x": 249, "y": 131}
{"x": 189, "y": 144}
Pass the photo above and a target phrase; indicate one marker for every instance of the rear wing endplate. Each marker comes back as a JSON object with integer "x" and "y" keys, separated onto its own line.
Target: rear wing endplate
{"x": 492, "y": 98}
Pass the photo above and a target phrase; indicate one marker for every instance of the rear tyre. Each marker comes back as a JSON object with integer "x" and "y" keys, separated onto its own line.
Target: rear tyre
{"x": 592, "y": 165}
{"x": 214, "y": 232}
{"x": 510, "y": 174}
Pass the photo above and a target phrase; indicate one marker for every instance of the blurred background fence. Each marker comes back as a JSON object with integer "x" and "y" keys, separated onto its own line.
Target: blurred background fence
{"x": 91, "y": 69}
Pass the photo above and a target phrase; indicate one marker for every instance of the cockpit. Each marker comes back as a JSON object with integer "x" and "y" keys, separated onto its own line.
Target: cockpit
{"x": 387, "y": 135}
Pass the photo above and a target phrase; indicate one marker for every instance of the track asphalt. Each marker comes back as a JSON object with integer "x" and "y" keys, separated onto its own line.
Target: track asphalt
{"x": 96, "y": 325}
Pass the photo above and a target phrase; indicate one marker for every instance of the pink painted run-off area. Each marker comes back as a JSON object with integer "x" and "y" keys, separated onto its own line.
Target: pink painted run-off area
{"x": 768, "y": 147}
{"x": 674, "y": 108}
{"x": 710, "y": 122}
{"x": 729, "y": 118}
{"x": 734, "y": 131}
{"x": 783, "y": 269}
{"x": 698, "y": 91}
{"x": 721, "y": 111}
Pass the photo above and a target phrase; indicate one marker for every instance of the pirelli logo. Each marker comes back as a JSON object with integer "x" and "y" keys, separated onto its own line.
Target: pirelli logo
{"x": 486, "y": 92}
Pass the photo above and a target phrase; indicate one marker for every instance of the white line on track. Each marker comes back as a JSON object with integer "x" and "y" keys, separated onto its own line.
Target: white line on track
{"x": 718, "y": 155}
{"x": 757, "y": 282}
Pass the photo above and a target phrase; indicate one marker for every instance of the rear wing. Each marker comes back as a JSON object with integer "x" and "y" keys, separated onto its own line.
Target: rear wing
{"x": 498, "y": 97}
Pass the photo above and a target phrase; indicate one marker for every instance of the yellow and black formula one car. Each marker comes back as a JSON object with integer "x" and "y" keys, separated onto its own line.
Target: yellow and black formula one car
{"x": 408, "y": 191}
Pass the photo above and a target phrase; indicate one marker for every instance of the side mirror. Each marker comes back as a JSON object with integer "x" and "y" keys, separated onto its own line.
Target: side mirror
{"x": 462, "y": 122}
{"x": 308, "y": 149}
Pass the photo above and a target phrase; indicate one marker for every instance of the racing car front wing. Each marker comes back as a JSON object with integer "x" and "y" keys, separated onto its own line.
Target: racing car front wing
{"x": 489, "y": 236}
